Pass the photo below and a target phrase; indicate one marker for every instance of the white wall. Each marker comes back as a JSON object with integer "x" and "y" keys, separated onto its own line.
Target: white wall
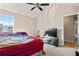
{"x": 22, "y": 23}
{"x": 54, "y": 18}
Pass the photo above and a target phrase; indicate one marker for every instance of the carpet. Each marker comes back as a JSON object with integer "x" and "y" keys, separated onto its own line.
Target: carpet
{"x": 51, "y": 50}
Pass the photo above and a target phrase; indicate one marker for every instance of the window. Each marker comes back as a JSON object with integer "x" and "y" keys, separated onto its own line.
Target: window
{"x": 6, "y": 23}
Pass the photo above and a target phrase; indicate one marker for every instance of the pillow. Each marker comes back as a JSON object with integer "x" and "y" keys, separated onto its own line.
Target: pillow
{"x": 13, "y": 36}
{"x": 3, "y": 33}
{"x": 21, "y": 33}
{"x": 6, "y": 36}
{"x": 21, "y": 36}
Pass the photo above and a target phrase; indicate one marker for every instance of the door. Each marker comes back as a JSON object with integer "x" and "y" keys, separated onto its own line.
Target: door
{"x": 70, "y": 30}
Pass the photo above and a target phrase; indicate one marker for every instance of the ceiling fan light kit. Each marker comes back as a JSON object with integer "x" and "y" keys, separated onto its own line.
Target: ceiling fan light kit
{"x": 38, "y": 5}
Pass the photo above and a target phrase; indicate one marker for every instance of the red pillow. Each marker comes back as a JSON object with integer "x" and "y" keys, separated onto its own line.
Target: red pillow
{"x": 21, "y": 33}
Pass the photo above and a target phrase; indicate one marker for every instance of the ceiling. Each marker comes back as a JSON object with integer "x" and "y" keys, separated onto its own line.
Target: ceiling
{"x": 24, "y": 9}
{"x": 71, "y": 4}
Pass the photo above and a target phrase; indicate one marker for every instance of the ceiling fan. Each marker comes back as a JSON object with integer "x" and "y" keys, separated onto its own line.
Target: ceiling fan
{"x": 38, "y": 5}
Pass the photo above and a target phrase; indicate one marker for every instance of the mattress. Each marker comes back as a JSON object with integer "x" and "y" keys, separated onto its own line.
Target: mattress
{"x": 22, "y": 49}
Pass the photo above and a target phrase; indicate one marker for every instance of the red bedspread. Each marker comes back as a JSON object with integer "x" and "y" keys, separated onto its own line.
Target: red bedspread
{"x": 24, "y": 49}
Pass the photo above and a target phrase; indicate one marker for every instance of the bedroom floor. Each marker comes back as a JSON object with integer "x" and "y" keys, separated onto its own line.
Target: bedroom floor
{"x": 70, "y": 43}
{"x": 58, "y": 51}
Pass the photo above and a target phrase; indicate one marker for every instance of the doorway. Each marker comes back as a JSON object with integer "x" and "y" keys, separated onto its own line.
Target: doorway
{"x": 70, "y": 30}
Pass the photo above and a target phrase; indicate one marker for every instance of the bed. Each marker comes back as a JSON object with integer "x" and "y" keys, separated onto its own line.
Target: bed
{"x": 27, "y": 49}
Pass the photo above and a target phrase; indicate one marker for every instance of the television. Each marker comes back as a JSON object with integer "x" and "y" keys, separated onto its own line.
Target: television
{"x": 52, "y": 32}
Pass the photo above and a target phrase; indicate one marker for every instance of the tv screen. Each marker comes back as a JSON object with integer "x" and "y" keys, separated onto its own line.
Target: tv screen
{"x": 52, "y": 32}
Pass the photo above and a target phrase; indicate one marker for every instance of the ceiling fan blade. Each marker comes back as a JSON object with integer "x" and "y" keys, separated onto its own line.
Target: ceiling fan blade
{"x": 33, "y": 8}
{"x": 30, "y": 3}
{"x": 45, "y": 4}
{"x": 40, "y": 8}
